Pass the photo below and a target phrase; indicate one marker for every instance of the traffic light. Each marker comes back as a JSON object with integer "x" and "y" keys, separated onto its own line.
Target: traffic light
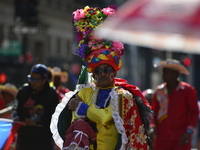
{"x": 187, "y": 61}
{"x": 26, "y": 11}
{"x": 3, "y": 77}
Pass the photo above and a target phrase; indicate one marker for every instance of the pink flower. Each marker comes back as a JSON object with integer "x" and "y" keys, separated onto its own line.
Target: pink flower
{"x": 108, "y": 11}
{"x": 78, "y": 14}
{"x": 118, "y": 47}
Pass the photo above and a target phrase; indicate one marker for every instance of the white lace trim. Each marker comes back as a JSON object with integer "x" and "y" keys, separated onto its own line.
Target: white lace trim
{"x": 54, "y": 119}
{"x": 117, "y": 119}
{"x": 76, "y": 147}
{"x": 89, "y": 85}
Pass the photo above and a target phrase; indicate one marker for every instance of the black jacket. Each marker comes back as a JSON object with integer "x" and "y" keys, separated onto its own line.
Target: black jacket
{"x": 38, "y": 106}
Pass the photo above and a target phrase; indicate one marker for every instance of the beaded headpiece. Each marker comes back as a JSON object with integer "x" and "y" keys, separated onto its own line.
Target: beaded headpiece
{"x": 91, "y": 49}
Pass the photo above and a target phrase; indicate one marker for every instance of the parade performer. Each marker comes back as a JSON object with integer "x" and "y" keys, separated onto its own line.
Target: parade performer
{"x": 116, "y": 110}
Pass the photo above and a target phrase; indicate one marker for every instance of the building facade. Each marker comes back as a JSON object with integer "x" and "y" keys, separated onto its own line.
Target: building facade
{"x": 52, "y": 43}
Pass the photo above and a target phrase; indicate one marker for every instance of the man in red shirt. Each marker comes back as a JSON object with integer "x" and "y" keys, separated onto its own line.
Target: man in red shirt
{"x": 175, "y": 107}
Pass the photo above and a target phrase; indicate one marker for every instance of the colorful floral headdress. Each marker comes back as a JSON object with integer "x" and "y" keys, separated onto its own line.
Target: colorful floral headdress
{"x": 92, "y": 49}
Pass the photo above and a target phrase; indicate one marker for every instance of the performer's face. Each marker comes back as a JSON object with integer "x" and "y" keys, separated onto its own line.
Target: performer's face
{"x": 104, "y": 75}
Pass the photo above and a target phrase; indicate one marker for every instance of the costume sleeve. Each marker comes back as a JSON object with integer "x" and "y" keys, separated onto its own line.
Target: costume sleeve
{"x": 97, "y": 115}
{"x": 102, "y": 116}
{"x": 193, "y": 108}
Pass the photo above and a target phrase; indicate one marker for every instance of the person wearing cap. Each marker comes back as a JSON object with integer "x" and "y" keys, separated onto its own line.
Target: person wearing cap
{"x": 8, "y": 94}
{"x": 175, "y": 107}
{"x": 36, "y": 104}
{"x": 116, "y": 110}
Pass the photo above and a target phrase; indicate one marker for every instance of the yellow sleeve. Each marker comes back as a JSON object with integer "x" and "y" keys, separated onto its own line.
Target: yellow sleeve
{"x": 86, "y": 95}
{"x": 102, "y": 116}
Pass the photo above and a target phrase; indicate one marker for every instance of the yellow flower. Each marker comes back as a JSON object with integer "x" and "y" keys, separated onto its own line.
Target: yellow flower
{"x": 107, "y": 46}
{"x": 86, "y": 8}
{"x": 80, "y": 43}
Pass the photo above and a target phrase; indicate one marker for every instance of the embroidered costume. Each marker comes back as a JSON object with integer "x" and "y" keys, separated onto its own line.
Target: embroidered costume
{"x": 119, "y": 121}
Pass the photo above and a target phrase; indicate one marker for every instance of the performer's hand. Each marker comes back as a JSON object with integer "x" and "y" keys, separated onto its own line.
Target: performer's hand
{"x": 73, "y": 103}
{"x": 186, "y": 137}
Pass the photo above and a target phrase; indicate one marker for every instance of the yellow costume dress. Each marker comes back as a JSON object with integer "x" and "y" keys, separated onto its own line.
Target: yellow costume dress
{"x": 119, "y": 122}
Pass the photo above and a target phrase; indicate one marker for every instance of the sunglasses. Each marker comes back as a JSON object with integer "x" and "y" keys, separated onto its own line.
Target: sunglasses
{"x": 99, "y": 71}
{"x": 32, "y": 79}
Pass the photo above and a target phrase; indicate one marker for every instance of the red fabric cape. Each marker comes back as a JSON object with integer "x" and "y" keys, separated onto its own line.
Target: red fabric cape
{"x": 131, "y": 88}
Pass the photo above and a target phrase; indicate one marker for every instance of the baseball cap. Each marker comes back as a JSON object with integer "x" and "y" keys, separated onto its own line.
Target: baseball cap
{"x": 40, "y": 69}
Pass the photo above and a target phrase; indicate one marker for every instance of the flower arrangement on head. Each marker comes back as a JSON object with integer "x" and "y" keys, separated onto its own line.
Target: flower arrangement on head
{"x": 93, "y": 50}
